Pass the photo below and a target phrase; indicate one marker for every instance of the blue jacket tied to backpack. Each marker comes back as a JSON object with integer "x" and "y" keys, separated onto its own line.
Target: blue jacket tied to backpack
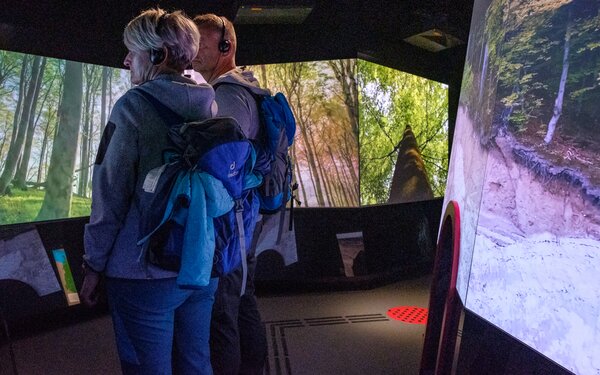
{"x": 207, "y": 198}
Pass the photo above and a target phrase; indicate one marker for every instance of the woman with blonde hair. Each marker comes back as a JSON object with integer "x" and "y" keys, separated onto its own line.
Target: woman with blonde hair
{"x": 148, "y": 308}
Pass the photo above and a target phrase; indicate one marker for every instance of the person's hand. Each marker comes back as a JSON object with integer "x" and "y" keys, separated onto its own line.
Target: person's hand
{"x": 89, "y": 289}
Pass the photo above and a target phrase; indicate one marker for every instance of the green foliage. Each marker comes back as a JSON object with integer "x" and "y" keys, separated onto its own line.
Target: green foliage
{"x": 468, "y": 81}
{"x": 525, "y": 44}
{"x": 518, "y": 119}
{"x": 390, "y": 100}
{"x": 23, "y": 206}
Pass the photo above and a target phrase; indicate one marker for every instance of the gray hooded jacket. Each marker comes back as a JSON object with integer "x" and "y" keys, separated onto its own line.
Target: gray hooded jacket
{"x": 132, "y": 145}
{"x": 235, "y": 101}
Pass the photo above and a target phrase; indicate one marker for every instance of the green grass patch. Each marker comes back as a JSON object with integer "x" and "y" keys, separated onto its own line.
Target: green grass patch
{"x": 23, "y": 206}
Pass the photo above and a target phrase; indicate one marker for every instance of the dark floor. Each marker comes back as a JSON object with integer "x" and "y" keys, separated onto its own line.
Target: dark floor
{"x": 345, "y": 332}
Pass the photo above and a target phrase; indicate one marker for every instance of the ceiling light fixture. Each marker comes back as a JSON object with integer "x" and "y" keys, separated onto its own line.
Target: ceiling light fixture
{"x": 433, "y": 40}
{"x": 273, "y": 13}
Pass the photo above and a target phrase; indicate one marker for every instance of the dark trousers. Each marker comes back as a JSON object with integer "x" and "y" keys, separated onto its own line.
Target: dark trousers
{"x": 238, "y": 342}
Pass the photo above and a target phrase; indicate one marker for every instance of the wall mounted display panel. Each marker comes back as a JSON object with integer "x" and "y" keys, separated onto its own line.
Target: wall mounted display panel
{"x": 529, "y": 103}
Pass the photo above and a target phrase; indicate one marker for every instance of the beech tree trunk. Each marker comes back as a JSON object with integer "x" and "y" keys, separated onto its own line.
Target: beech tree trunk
{"x": 299, "y": 179}
{"x": 16, "y": 148}
{"x": 20, "y": 178}
{"x": 59, "y": 184}
{"x": 409, "y": 182}
{"x": 3, "y": 141}
{"x": 86, "y": 133}
{"x": 314, "y": 163}
{"x": 345, "y": 73}
{"x": 41, "y": 163}
{"x": 103, "y": 97}
{"x": 348, "y": 153}
{"x": 561, "y": 86}
{"x": 19, "y": 107}
{"x": 264, "y": 79}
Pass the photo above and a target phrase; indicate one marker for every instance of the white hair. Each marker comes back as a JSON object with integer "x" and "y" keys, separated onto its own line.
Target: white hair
{"x": 156, "y": 29}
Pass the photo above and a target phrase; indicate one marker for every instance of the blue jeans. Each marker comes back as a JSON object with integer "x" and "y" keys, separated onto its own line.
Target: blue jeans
{"x": 148, "y": 314}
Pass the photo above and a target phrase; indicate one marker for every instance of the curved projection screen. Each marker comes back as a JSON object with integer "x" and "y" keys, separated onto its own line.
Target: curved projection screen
{"x": 45, "y": 173}
{"x": 352, "y": 112}
{"x": 524, "y": 169}
{"x": 46, "y": 158}
{"x": 52, "y": 114}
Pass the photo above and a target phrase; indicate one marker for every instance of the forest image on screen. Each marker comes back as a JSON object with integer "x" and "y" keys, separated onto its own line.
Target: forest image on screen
{"x": 343, "y": 106}
{"x": 403, "y": 135}
{"x": 52, "y": 114}
{"x": 524, "y": 169}
{"x": 323, "y": 97}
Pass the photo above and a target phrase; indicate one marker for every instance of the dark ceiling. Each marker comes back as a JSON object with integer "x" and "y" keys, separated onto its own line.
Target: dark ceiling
{"x": 91, "y": 31}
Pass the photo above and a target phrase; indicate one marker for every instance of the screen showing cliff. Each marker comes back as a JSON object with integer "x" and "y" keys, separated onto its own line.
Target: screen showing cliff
{"x": 52, "y": 113}
{"x": 524, "y": 170}
{"x": 403, "y": 135}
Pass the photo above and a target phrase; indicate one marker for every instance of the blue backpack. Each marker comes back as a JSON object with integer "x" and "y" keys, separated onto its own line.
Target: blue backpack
{"x": 278, "y": 127}
{"x": 214, "y": 149}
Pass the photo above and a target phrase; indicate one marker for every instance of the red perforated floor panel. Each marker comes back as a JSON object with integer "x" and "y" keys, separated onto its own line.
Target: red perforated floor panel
{"x": 408, "y": 314}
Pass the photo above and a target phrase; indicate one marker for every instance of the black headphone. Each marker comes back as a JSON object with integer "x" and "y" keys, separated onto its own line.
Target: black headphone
{"x": 157, "y": 55}
{"x": 224, "y": 44}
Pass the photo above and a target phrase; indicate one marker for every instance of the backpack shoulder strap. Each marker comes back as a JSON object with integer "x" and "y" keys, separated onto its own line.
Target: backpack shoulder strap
{"x": 255, "y": 96}
{"x": 165, "y": 113}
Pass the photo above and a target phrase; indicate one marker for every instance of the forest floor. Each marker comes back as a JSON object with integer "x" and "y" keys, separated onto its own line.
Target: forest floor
{"x": 580, "y": 153}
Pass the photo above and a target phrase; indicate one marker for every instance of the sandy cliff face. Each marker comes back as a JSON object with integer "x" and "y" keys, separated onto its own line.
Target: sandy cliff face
{"x": 530, "y": 241}
{"x": 539, "y": 199}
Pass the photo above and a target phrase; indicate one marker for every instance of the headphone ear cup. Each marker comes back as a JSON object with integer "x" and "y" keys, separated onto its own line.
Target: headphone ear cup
{"x": 157, "y": 56}
{"x": 224, "y": 46}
